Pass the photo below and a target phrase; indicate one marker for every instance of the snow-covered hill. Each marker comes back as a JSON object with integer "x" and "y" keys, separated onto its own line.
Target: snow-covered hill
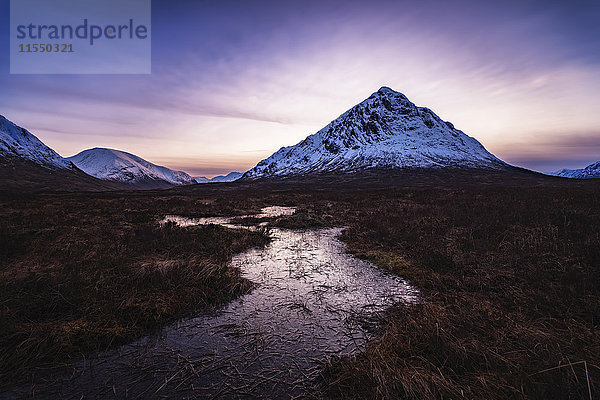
{"x": 384, "y": 131}
{"x": 230, "y": 177}
{"x": 591, "y": 171}
{"x": 20, "y": 143}
{"x": 115, "y": 165}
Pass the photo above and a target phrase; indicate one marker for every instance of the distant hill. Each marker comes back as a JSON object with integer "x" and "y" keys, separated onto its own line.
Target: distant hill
{"x": 230, "y": 177}
{"x": 119, "y": 166}
{"x": 589, "y": 172}
{"x": 28, "y": 165}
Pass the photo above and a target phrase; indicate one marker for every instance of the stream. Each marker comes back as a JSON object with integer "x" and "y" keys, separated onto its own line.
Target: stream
{"x": 311, "y": 301}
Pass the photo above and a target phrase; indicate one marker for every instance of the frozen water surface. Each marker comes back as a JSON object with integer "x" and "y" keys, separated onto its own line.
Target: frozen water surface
{"x": 311, "y": 301}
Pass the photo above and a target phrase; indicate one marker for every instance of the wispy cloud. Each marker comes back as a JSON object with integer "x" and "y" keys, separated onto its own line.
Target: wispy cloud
{"x": 543, "y": 152}
{"x": 231, "y": 76}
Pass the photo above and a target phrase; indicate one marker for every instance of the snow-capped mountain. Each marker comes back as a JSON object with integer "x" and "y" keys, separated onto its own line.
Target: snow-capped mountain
{"x": 230, "y": 177}
{"x": 384, "y": 131}
{"x": 116, "y": 165}
{"x": 591, "y": 171}
{"x": 20, "y": 143}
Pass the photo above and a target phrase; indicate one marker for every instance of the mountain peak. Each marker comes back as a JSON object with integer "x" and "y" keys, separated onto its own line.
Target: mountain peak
{"x": 384, "y": 131}
{"x": 387, "y": 95}
{"x": 117, "y": 165}
{"x": 388, "y": 90}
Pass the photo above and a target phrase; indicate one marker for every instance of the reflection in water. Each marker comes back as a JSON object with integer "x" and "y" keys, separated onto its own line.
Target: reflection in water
{"x": 311, "y": 301}
{"x": 267, "y": 212}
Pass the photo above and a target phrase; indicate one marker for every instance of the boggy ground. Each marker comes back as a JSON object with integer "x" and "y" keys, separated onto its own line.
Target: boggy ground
{"x": 507, "y": 270}
{"x": 82, "y": 272}
{"x": 510, "y": 281}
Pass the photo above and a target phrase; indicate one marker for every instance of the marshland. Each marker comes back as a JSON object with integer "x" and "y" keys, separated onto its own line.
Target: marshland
{"x": 505, "y": 271}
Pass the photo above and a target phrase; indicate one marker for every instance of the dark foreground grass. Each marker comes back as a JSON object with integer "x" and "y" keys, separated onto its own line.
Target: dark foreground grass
{"x": 510, "y": 283}
{"x": 82, "y": 273}
{"x": 509, "y": 276}
{"x": 303, "y": 219}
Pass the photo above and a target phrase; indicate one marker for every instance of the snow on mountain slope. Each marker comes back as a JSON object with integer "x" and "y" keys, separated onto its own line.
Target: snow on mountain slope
{"x": 591, "y": 171}
{"x": 19, "y": 142}
{"x": 230, "y": 177}
{"x": 384, "y": 131}
{"x": 115, "y": 165}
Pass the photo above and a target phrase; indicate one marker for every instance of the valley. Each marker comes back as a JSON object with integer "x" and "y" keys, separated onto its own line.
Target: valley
{"x": 510, "y": 258}
{"x": 316, "y": 200}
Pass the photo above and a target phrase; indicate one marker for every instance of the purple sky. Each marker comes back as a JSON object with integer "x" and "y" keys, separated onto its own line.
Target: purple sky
{"x": 234, "y": 81}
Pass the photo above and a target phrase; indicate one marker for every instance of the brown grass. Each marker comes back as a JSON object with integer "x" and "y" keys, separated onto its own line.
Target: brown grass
{"x": 507, "y": 270}
{"x": 510, "y": 284}
{"x": 83, "y": 273}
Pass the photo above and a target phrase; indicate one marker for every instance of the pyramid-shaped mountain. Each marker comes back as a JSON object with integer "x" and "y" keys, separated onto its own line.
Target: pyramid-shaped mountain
{"x": 385, "y": 131}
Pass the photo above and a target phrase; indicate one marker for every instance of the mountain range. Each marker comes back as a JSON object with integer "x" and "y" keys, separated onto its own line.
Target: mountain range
{"x": 230, "y": 177}
{"x": 591, "y": 171}
{"x": 385, "y": 131}
{"x": 26, "y": 162}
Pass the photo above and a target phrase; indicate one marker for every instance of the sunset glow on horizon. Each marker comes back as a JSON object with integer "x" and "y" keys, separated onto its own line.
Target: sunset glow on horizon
{"x": 232, "y": 82}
